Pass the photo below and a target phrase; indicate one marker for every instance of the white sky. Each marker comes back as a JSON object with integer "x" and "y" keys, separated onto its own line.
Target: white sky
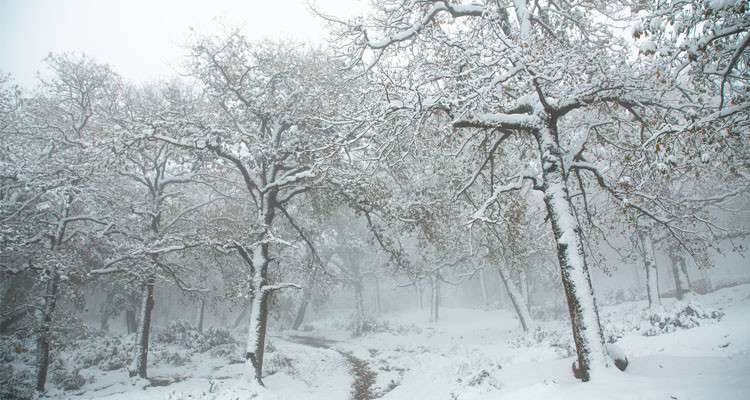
{"x": 140, "y": 38}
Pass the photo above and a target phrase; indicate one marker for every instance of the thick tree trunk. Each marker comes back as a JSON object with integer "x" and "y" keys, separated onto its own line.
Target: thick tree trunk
{"x": 256, "y": 336}
{"x": 435, "y": 298}
{"x": 45, "y": 331}
{"x": 584, "y": 316}
{"x": 516, "y": 299}
{"x": 649, "y": 262}
{"x": 683, "y": 290}
{"x": 301, "y": 310}
{"x": 140, "y": 363}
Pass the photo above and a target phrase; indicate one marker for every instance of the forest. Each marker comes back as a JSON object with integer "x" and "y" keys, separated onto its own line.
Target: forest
{"x": 451, "y": 199}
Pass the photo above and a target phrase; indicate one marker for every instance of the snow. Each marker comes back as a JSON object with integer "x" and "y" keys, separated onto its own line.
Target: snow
{"x": 648, "y": 46}
{"x": 468, "y": 354}
{"x": 717, "y": 5}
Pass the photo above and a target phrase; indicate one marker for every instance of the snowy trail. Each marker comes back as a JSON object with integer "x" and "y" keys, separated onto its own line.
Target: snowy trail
{"x": 364, "y": 377}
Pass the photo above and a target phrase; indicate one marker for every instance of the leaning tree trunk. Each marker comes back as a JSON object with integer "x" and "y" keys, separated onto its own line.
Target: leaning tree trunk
{"x": 584, "y": 316}
{"x": 683, "y": 290}
{"x": 516, "y": 298}
{"x": 649, "y": 262}
{"x": 140, "y": 363}
{"x": 45, "y": 330}
{"x": 302, "y": 310}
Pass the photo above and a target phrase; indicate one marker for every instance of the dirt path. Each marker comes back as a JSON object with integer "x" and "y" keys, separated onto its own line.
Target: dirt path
{"x": 364, "y": 377}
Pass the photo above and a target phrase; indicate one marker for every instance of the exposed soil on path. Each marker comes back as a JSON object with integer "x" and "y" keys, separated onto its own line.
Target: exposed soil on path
{"x": 364, "y": 377}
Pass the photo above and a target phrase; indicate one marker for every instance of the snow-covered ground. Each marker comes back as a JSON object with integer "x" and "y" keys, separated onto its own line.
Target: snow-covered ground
{"x": 468, "y": 354}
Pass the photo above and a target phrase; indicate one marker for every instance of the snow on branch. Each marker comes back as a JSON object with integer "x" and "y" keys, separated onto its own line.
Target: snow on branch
{"x": 281, "y": 286}
{"x": 456, "y": 11}
{"x": 499, "y": 121}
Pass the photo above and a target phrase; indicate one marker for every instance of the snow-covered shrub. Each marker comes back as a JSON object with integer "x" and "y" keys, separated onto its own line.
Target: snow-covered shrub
{"x": 177, "y": 358}
{"x": 368, "y": 324}
{"x": 550, "y": 312}
{"x": 181, "y": 333}
{"x": 475, "y": 380}
{"x": 560, "y": 340}
{"x": 216, "y": 338}
{"x": 16, "y": 375}
{"x": 16, "y": 383}
{"x": 66, "y": 378}
{"x": 277, "y": 362}
{"x": 612, "y": 297}
{"x": 683, "y": 315}
{"x": 107, "y": 353}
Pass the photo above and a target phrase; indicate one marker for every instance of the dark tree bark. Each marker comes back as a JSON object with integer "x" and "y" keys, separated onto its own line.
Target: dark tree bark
{"x": 584, "y": 315}
{"x": 140, "y": 363}
{"x": 45, "y": 331}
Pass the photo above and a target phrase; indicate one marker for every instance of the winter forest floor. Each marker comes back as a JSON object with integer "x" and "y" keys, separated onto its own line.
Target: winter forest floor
{"x": 468, "y": 354}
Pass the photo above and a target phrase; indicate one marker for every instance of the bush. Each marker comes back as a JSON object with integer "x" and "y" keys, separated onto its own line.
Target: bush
{"x": 559, "y": 340}
{"x": 216, "y": 337}
{"x": 66, "y": 379}
{"x": 683, "y": 315}
{"x": 16, "y": 383}
{"x": 181, "y": 333}
{"x": 360, "y": 326}
{"x": 106, "y": 353}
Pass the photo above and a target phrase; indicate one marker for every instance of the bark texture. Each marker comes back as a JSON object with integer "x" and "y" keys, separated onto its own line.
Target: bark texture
{"x": 140, "y": 366}
{"x": 584, "y": 315}
{"x": 49, "y": 304}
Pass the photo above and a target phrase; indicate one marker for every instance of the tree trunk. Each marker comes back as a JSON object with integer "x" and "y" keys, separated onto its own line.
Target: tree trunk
{"x": 435, "y": 298}
{"x": 584, "y": 316}
{"x": 649, "y": 262}
{"x": 418, "y": 290}
{"x": 140, "y": 363}
{"x": 104, "y": 309}
{"x": 378, "y": 307}
{"x": 523, "y": 284}
{"x": 240, "y": 318}
{"x": 516, "y": 299}
{"x": 301, "y": 311}
{"x": 256, "y": 336}
{"x": 45, "y": 331}
{"x": 359, "y": 305}
{"x": 201, "y": 314}
{"x": 683, "y": 290}
{"x": 130, "y": 320}
{"x": 483, "y": 288}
